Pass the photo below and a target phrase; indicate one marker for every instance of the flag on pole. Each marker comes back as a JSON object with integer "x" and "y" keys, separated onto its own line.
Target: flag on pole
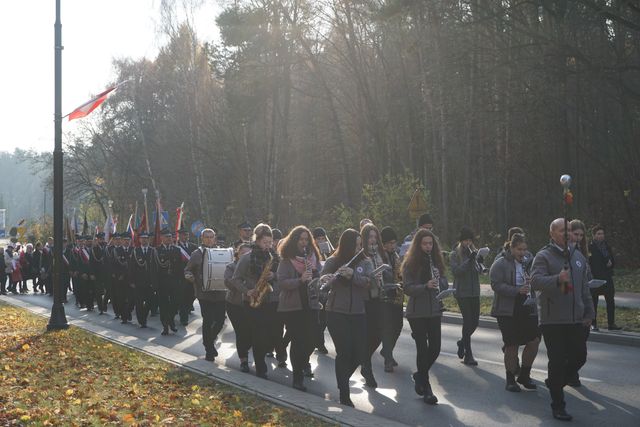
{"x": 86, "y": 108}
{"x": 156, "y": 233}
{"x": 85, "y": 225}
{"x": 179, "y": 213}
{"x": 109, "y": 227}
{"x": 130, "y": 228}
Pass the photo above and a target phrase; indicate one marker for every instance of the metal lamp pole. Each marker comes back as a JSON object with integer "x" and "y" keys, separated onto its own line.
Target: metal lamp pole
{"x": 58, "y": 319}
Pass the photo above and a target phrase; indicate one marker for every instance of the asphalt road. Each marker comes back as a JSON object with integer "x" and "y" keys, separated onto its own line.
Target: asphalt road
{"x": 467, "y": 395}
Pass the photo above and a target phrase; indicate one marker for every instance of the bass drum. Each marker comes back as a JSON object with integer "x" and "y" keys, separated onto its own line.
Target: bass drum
{"x": 214, "y": 262}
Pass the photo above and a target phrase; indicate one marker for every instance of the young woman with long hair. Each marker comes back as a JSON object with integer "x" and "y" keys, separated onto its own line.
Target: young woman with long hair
{"x": 299, "y": 265}
{"x": 423, "y": 272}
{"x": 348, "y": 289}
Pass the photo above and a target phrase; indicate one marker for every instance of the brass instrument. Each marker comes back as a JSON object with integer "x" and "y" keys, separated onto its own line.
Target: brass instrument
{"x": 263, "y": 287}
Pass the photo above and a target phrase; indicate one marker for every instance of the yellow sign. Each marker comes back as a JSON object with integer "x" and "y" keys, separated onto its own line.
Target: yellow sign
{"x": 418, "y": 204}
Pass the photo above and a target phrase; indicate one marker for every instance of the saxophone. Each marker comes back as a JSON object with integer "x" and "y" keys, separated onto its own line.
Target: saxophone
{"x": 263, "y": 287}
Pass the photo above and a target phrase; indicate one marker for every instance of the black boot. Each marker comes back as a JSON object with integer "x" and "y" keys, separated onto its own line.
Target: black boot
{"x": 420, "y": 383}
{"x": 460, "y": 349}
{"x": 468, "y": 357}
{"x": 429, "y": 398}
{"x": 525, "y": 378}
{"x": 559, "y": 413}
{"x": 244, "y": 366}
{"x": 298, "y": 381}
{"x": 511, "y": 383}
{"x": 345, "y": 398}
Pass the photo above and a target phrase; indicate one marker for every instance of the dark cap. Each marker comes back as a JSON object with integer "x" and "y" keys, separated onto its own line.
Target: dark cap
{"x": 425, "y": 219}
{"x": 166, "y": 232}
{"x": 466, "y": 233}
{"x": 319, "y": 232}
{"x": 245, "y": 225}
{"x": 277, "y": 234}
{"x": 144, "y": 234}
{"x": 387, "y": 234}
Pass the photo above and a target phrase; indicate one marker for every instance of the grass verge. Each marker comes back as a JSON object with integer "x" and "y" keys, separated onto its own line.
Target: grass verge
{"x": 628, "y": 318}
{"x": 74, "y": 378}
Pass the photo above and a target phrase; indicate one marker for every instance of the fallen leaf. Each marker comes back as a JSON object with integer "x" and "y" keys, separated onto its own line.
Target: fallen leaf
{"x": 69, "y": 392}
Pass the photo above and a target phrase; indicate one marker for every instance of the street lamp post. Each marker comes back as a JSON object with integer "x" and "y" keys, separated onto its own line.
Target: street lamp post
{"x": 58, "y": 319}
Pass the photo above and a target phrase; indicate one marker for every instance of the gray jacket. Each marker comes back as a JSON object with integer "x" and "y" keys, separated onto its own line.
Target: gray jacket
{"x": 194, "y": 266}
{"x": 465, "y": 276}
{"x": 289, "y": 282}
{"x": 503, "y": 283}
{"x": 422, "y": 300}
{"x": 233, "y": 296}
{"x": 348, "y": 296}
{"x": 243, "y": 279}
{"x": 555, "y": 307}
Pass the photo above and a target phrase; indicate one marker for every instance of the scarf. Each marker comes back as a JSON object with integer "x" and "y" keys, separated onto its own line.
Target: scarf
{"x": 299, "y": 264}
{"x": 258, "y": 259}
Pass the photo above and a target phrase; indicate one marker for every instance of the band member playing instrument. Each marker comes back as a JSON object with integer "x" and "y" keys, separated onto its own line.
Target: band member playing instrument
{"x": 253, "y": 277}
{"x": 349, "y": 288}
{"x": 392, "y": 300}
{"x": 373, "y": 305}
{"x": 236, "y": 311}
{"x": 602, "y": 263}
{"x": 299, "y": 264}
{"x": 518, "y": 323}
{"x": 466, "y": 281}
{"x": 212, "y": 303}
{"x": 565, "y": 307}
{"x": 423, "y": 272}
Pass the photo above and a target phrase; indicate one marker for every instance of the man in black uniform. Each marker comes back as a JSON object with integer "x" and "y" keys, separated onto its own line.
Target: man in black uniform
{"x": 112, "y": 266}
{"x": 86, "y": 277}
{"x": 141, "y": 277}
{"x": 168, "y": 279}
{"x": 100, "y": 271}
{"x": 122, "y": 290}
{"x": 187, "y": 295}
{"x": 244, "y": 233}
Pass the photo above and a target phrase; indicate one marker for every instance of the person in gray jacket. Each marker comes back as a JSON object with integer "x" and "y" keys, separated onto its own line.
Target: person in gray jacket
{"x": 348, "y": 289}
{"x": 518, "y": 322}
{"x": 423, "y": 272}
{"x": 464, "y": 265}
{"x": 565, "y": 308}
{"x": 212, "y": 303}
{"x": 235, "y": 310}
{"x": 299, "y": 265}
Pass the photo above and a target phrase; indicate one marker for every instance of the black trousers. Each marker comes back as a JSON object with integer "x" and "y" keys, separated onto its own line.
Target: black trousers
{"x": 320, "y": 326}
{"x": 392, "y": 322}
{"x": 470, "y": 309}
{"x": 242, "y": 328}
{"x": 426, "y": 332}
{"x": 278, "y": 339}
{"x": 566, "y": 349}
{"x": 261, "y": 320}
{"x": 373, "y": 313}
{"x": 300, "y": 324}
{"x": 609, "y": 293}
{"x": 142, "y": 295}
{"x": 187, "y": 297}
{"x": 213, "y": 315}
{"x": 349, "y": 335}
{"x": 3, "y": 282}
{"x": 168, "y": 300}
{"x": 101, "y": 296}
{"x": 124, "y": 298}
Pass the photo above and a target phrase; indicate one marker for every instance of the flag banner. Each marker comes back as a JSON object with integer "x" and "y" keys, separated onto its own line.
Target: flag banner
{"x": 185, "y": 256}
{"x": 196, "y": 228}
{"x": 164, "y": 219}
{"x": 86, "y": 108}
{"x": 179, "y": 212}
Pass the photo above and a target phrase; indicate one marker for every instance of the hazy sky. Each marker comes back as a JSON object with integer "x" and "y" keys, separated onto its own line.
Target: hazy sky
{"x": 93, "y": 33}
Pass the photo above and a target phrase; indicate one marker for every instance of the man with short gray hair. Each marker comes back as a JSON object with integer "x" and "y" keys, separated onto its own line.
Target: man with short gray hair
{"x": 564, "y": 309}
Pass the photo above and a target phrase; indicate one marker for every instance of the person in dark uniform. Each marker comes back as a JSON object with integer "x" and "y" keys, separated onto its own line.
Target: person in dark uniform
{"x": 212, "y": 303}
{"x": 141, "y": 277}
{"x": 565, "y": 308}
{"x": 602, "y": 263}
{"x": 168, "y": 279}
{"x": 123, "y": 292}
{"x": 85, "y": 274}
{"x": 244, "y": 234}
{"x": 113, "y": 267}
{"x": 187, "y": 294}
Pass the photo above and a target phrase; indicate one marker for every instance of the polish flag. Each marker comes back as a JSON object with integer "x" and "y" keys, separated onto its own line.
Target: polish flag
{"x": 86, "y": 108}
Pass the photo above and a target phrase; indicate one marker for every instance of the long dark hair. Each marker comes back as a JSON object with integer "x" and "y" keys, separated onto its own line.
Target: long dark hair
{"x": 347, "y": 248}
{"x": 415, "y": 257}
{"x": 288, "y": 247}
{"x": 364, "y": 234}
{"x": 576, "y": 224}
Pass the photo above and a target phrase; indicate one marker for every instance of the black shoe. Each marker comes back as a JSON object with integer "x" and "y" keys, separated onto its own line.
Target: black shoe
{"x": 298, "y": 381}
{"x": 460, "y": 349}
{"x": 244, "y": 366}
{"x": 511, "y": 383}
{"x": 323, "y": 350}
{"x": 428, "y": 397}
{"x": 370, "y": 382}
{"x": 210, "y": 356}
{"x": 306, "y": 371}
{"x": 614, "y": 327}
{"x": 525, "y": 378}
{"x": 165, "y": 331}
{"x": 172, "y": 326}
{"x": 420, "y": 384}
{"x": 469, "y": 360}
{"x": 262, "y": 375}
{"x": 345, "y": 399}
{"x": 561, "y": 414}
{"x": 388, "y": 366}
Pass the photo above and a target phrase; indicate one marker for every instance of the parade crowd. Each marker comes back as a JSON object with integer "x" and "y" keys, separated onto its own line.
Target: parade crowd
{"x": 282, "y": 292}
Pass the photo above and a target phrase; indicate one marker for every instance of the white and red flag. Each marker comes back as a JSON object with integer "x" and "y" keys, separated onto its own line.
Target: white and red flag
{"x": 179, "y": 214}
{"x": 86, "y": 108}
